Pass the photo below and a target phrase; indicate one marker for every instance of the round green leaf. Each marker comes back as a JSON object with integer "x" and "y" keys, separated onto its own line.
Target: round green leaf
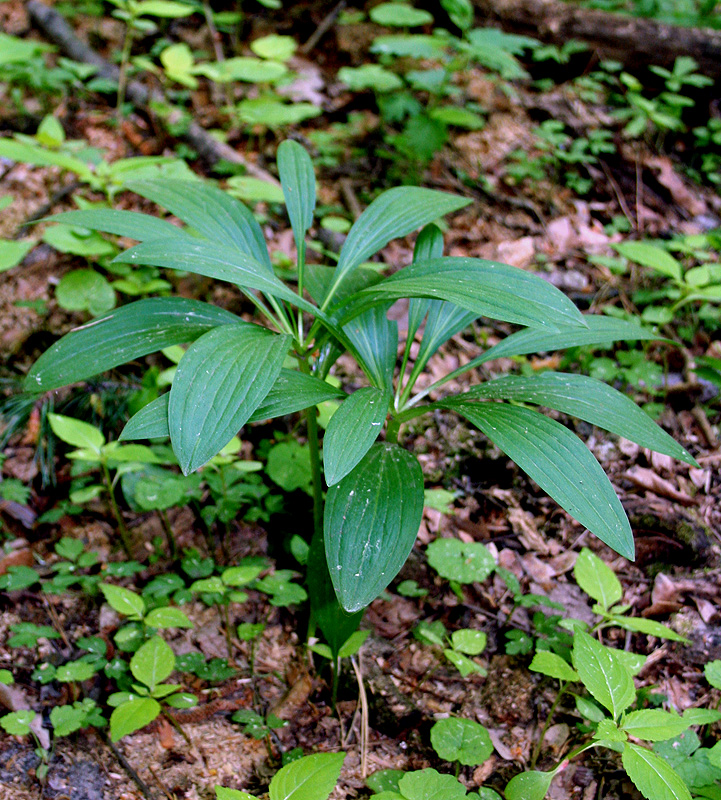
{"x": 281, "y": 48}
{"x": 124, "y": 601}
{"x": 456, "y": 739}
{"x": 168, "y": 617}
{"x": 153, "y": 662}
{"x": 309, "y": 778}
{"x": 17, "y": 723}
{"x": 429, "y": 784}
{"x": 465, "y": 562}
{"x": 400, "y": 15}
{"x": 133, "y": 715}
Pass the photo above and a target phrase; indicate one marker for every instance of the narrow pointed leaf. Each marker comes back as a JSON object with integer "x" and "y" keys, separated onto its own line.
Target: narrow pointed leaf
{"x": 488, "y": 288}
{"x": 653, "y": 777}
{"x": 123, "y": 335}
{"x": 371, "y": 521}
{"x": 298, "y": 182}
{"x": 291, "y": 392}
{"x": 211, "y": 212}
{"x": 122, "y": 223}
{"x": 429, "y": 244}
{"x": 588, "y": 399}
{"x": 559, "y": 463}
{"x": 352, "y": 430}
{"x": 395, "y": 213}
{"x": 220, "y": 381}
{"x": 444, "y": 320}
{"x": 605, "y": 677}
{"x": 553, "y": 666}
{"x": 375, "y": 338}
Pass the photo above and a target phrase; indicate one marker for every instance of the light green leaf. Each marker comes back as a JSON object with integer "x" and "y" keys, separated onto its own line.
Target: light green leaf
{"x": 462, "y": 740}
{"x": 469, "y": 641}
{"x": 648, "y": 626}
{"x": 76, "y": 432}
{"x": 239, "y": 576}
{"x": 652, "y": 775}
{"x": 529, "y": 786}
{"x": 459, "y": 117}
{"x": 298, "y": 181}
{"x": 125, "y": 602}
{"x": 395, "y": 213}
{"x": 701, "y": 716}
{"x": 133, "y": 715}
{"x": 429, "y": 784}
{"x": 464, "y": 562}
{"x": 353, "y": 643}
{"x": 597, "y": 579}
{"x": 163, "y": 8}
{"x": 309, "y": 778}
{"x": 352, "y": 430}
{"x": 462, "y": 663}
{"x": 559, "y": 463}
{"x": 588, "y": 399}
{"x": 42, "y": 157}
{"x": 12, "y": 253}
{"x": 124, "y": 335}
{"x": 607, "y": 680}
{"x": 220, "y": 381}
{"x": 553, "y": 666}
{"x": 153, "y": 662}
{"x": 650, "y": 255}
{"x": 247, "y": 69}
{"x": 400, "y": 15}
{"x": 289, "y": 466}
{"x": 370, "y": 523}
{"x": 222, "y": 793}
{"x": 212, "y": 585}
{"x": 712, "y": 673}
{"x": 370, "y": 76}
{"x": 274, "y": 46}
{"x": 608, "y": 731}
{"x": 85, "y": 290}
{"x": 654, "y": 724}
{"x": 255, "y": 190}
{"x": 75, "y": 671}
{"x": 17, "y": 723}
{"x": 487, "y": 288}
{"x": 460, "y": 12}
{"x": 168, "y": 617}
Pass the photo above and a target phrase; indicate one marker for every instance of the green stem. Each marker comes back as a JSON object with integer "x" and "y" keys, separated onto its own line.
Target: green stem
{"x": 546, "y": 725}
{"x": 122, "y": 530}
{"x": 124, "y": 59}
{"x": 170, "y": 536}
{"x": 335, "y": 669}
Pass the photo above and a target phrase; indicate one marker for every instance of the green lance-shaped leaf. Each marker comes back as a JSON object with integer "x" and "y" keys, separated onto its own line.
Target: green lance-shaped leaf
{"x": 309, "y": 778}
{"x": 214, "y": 260}
{"x": 395, "y": 213}
{"x": 352, "y": 430}
{"x": 488, "y": 288}
{"x": 211, "y": 212}
{"x": 552, "y": 665}
{"x": 153, "y": 662}
{"x": 605, "y": 677}
{"x": 292, "y": 391}
{"x": 220, "y": 381}
{"x": 42, "y": 157}
{"x": 375, "y": 338}
{"x": 529, "y": 786}
{"x": 429, "y": 245}
{"x": 444, "y": 320}
{"x": 131, "y": 224}
{"x": 653, "y": 777}
{"x": 76, "y": 432}
{"x": 370, "y": 523}
{"x": 654, "y": 724}
{"x": 597, "y": 579}
{"x": 559, "y": 463}
{"x": 588, "y": 399}
{"x": 133, "y": 715}
{"x": 124, "y": 334}
{"x": 298, "y": 181}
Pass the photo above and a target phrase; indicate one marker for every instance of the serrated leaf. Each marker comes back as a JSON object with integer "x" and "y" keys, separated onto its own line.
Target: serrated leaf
{"x": 214, "y": 214}
{"x": 125, "y": 602}
{"x": 462, "y": 740}
{"x": 298, "y": 181}
{"x": 153, "y": 662}
{"x": 553, "y": 666}
{"x": 395, "y": 213}
{"x": 167, "y": 617}
{"x": 652, "y": 775}
{"x": 487, "y": 288}
{"x": 529, "y": 786}
{"x": 352, "y": 430}
{"x": 76, "y": 432}
{"x": 597, "y": 579}
{"x": 608, "y": 681}
{"x": 559, "y": 463}
{"x": 654, "y": 724}
{"x": 309, "y": 778}
{"x": 588, "y": 399}
{"x": 133, "y": 715}
{"x": 123, "y": 335}
{"x": 220, "y": 381}
{"x": 370, "y": 524}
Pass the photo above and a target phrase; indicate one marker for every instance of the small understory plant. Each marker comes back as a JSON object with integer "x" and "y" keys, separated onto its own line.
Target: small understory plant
{"x": 236, "y": 371}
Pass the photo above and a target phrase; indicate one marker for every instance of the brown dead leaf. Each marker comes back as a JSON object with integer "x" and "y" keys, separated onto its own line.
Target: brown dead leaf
{"x": 667, "y": 176}
{"x": 166, "y": 735}
{"x": 706, "y": 609}
{"x": 647, "y": 479}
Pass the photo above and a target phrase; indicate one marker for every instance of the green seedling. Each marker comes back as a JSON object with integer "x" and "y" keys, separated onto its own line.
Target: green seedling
{"x": 256, "y": 726}
{"x": 358, "y": 546}
{"x": 391, "y": 784}
{"x": 348, "y": 649}
{"x": 463, "y": 740}
{"x": 457, "y": 648}
{"x": 312, "y": 777}
{"x": 153, "y": 662}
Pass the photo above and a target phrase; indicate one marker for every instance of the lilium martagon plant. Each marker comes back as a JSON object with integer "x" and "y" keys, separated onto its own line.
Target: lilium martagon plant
{"x": 233, "y": 371}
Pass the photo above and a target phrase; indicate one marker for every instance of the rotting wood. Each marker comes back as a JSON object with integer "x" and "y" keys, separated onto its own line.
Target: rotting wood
{"x": 635, "y": 41}
{"x": 209, "y": 149}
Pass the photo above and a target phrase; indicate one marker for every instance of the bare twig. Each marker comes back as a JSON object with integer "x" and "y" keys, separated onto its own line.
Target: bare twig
{"x": 325, "y": 25}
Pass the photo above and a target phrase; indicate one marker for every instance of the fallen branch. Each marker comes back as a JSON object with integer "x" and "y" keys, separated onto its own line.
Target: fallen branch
{"x": 57, "y": 29}
{"x": 632, "y": 40}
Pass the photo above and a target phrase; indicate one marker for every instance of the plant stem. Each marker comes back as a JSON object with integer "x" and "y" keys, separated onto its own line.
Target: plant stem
{"x": 546, "y": 725}
{"x": 122, "y": 530}
{"x": 316, "y": 477}
{"x": 124, "y": 59}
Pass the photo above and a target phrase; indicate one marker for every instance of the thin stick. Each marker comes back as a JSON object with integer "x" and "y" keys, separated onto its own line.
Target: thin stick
{"x": 363, "y": 700}
{"x": 323, "y": 28}
{"x": 125, "y": 764}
